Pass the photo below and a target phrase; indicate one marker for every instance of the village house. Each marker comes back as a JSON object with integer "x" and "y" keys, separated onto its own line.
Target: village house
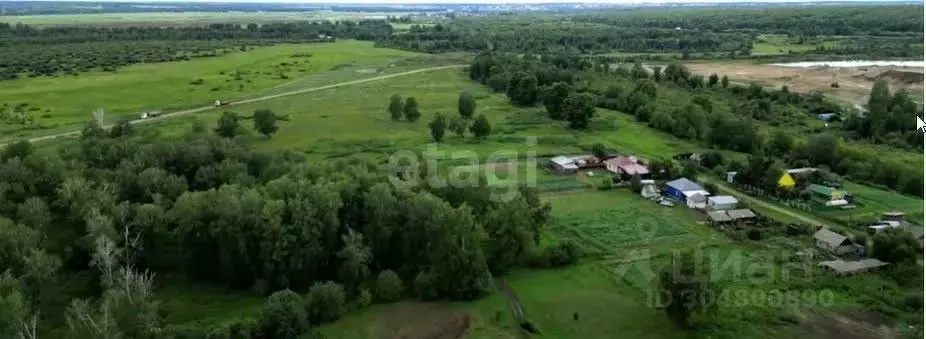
{"x": 571, "y": 164}
{"x": 687, "y": 191}
{"x": 843, "y": 267}
{"x": 626, "y": 167}
{"x": 835, "y": 242}
{"x": 721, "y": 202}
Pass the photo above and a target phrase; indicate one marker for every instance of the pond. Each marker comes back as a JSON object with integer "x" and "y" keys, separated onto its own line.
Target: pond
{"x": 855, "y": 63}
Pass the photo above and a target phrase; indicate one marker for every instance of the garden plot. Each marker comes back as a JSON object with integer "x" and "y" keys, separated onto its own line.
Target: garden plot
{"x": 611, "y": 223}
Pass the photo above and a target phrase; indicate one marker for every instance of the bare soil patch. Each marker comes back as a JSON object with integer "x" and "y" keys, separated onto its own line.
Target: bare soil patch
{"x": 849, "y": 324}
{"x": 421, "y": 321}
{"x": 854, "y": 82}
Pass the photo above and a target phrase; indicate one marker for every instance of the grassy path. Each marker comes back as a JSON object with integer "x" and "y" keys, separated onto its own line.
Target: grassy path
{"x": 778, "y": 209}
{"x": 248, "y": 101}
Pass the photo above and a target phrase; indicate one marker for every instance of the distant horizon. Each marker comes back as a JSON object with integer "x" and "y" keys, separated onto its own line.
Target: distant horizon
{"x": 446, "y": 2}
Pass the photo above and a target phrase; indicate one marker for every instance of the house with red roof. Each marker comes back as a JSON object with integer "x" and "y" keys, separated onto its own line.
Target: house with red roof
{"x": 626, "y": 166}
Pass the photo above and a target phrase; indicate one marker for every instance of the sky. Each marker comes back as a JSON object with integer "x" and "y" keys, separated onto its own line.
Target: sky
{"x": 476, "y": 1}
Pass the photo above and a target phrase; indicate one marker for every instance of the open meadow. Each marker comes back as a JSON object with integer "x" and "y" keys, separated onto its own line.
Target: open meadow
{"x": 65, "y": 102}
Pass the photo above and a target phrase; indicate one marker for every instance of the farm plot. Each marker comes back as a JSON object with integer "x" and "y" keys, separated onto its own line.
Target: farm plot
{"x": 608, "y": 223}
{"x": 527, "y": 173}
{"x": 872, "y": 202}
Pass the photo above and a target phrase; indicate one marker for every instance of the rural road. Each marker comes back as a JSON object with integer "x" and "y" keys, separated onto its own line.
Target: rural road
{"x": 742, "y": 196}
{"x": 247, "y": 101}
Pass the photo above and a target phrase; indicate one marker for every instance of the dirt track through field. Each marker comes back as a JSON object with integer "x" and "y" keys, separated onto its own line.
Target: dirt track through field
{"x": 248, "y": 101}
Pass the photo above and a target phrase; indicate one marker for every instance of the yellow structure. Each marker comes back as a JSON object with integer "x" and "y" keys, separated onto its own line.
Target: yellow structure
{"x": 786, "y": 181}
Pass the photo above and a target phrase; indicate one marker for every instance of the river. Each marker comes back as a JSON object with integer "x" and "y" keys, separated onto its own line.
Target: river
{"x": 856, "y": 63}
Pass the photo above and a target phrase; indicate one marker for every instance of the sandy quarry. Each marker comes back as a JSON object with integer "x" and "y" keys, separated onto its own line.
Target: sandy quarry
{"x": 854, "y": 82}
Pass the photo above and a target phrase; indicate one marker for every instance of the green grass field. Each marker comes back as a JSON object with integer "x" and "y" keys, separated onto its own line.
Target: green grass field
{"x": 606, "y": 222}
{"x": 352, "y": 121}
{"x": 188, "y": 18}
{"x": 66, "y": 102}
{"x": 780, "y": 44}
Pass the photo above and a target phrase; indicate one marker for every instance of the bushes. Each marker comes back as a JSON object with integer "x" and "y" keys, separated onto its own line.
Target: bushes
{"x": 364, "y": 298}
{"x": 325, "y": 302}
{"x": 388, "y": 287}
{"x": 424, "y": 286}
{"x": 564, "y": 254}
{"x": 284, "y": 316}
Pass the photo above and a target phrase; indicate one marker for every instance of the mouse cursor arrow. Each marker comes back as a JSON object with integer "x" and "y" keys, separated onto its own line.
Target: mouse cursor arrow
{"x": 920, "y": 124}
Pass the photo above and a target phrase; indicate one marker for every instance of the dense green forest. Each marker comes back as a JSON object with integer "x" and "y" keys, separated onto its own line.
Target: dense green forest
{"x": 70, "y": 50}
{"x": 724, "y": 32}
{"x": 800, "y": 21}
{"x": 102, "y": 217}
{"x": 708, "y": 108}
{"x": 868, "y": 31}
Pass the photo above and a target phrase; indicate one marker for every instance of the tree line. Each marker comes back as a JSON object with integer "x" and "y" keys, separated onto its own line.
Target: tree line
{"x": 71, "y": 50}
{"x": 886, "y": 31}
{"x": 119, "y": 210}
{"x": 890, "y": 20}
{"x": 549, "y": 36}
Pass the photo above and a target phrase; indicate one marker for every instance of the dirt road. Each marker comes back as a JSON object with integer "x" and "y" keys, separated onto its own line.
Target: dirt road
{"x": 248, "y": 101}
{"x": 742, "y": 196}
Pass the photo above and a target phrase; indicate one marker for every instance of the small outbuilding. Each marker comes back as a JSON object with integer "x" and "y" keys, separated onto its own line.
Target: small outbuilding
{"x": 718, "y": 217}
{"x": 721, "y": 202}
{"x": 649, "y": 189}
{"x": 833, "y": 242}
{"x": 893, "y": 216}
{"x": 826, "y": 192}
{"x": 683, "y": 188}
{"x": 731, "y": 176}
{"x": 564, "y": 164}
{"x": 741, "y": 214}
{"x": 843, "y": 267}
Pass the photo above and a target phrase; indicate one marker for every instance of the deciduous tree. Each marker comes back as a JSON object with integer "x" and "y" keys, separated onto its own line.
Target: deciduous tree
{"x": 265, "y": 122}
{"x": 466, "y": 105}
{"x": 481, "y": 127}
{"x": 686, "y": 288}
{"x": 578, "y": 108}
{"x": 227, "y": 126}
{"x": 438, "y": 127}
{"x": 411, "y": 109}
{"x": 395, "y": 107}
